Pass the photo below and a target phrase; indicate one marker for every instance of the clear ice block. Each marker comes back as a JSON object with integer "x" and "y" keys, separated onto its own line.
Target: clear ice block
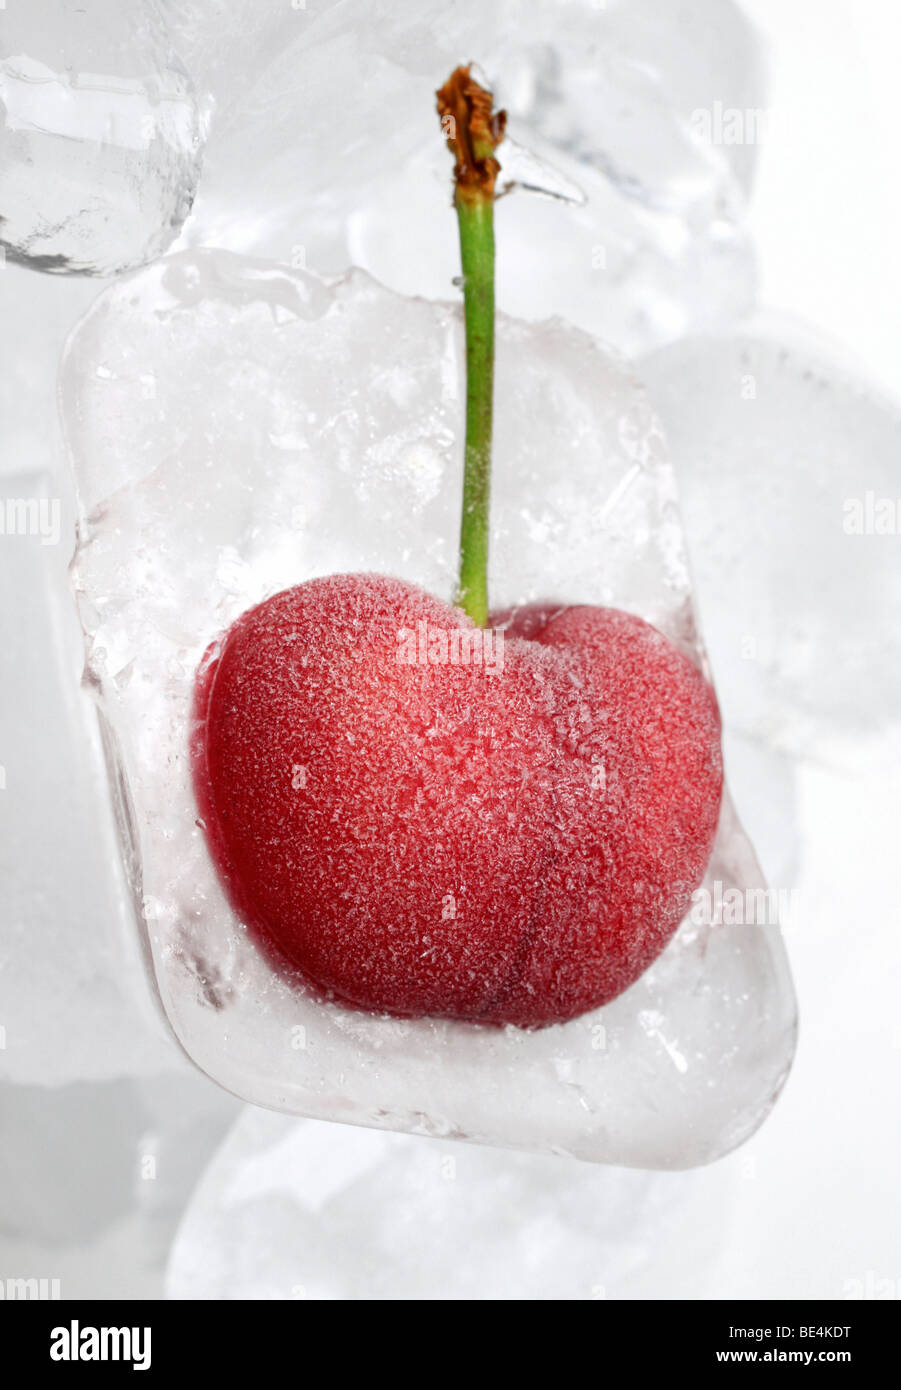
{"x": 237, "y": 429}
{"x": 100, "y": 135}
{"x": 73, "y": 994}
{"x": 788, "y": 478}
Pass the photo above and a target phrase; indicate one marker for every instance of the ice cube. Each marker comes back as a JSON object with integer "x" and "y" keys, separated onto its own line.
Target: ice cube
{"x": 237, "y": 429}
{"x": 99, "y": 136}
{"x": 708, "y": 59}
{"x": 94, "y": 1177}
{"x": 73, "y": 993}
{"x": 44, "y": 311}
{"x": 635, "y": 273}
{"x": 294, "y": 1209}
{"x": 788, "y": 474}
{"x": 311, "y": 165}
{"x": 763, "y": 783}
{"x": 72, "y": 996}
{"x": 68, "y": 1159}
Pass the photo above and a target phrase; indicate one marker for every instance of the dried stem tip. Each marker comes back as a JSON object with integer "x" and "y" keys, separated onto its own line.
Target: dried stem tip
{"x": 473, "y": 133}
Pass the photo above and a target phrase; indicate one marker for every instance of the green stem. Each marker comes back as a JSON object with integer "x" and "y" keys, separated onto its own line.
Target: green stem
{"x": 476, "y": 221}
{"x": 473, "y": 130}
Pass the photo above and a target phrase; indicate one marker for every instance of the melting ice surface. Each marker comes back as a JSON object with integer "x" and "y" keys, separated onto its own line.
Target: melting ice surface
{"x": 237, "y": 429}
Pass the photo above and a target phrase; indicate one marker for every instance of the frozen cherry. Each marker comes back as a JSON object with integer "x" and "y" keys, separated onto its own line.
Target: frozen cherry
{"x": 511, "y": 844}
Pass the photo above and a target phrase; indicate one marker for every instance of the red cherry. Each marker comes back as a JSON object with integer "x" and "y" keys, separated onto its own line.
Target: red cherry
{"x": 638, "y": 815}
{"x": 420, "y": 836}
{"x": 374, "y": 819}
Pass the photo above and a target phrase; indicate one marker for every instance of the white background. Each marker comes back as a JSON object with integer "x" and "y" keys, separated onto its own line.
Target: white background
{"x": 826, "y": 213}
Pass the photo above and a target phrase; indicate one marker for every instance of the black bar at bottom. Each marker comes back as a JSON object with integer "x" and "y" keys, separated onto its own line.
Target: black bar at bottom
{"x": 68, "y": 1337}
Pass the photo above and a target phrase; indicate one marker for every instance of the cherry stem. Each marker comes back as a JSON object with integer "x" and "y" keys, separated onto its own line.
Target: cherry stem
{"x": 473, "y": 132}
{"x": 477, "y": 253}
